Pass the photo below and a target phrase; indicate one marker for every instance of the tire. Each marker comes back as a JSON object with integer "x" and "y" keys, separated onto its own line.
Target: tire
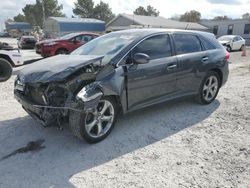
{"x": 78, "y": 122}
{"x": 242, "y": 47}
{"x": 61, "y": 51}
{"x": 229, "y": 49}
{"x": 208, "y": 92}
{"x": 5, "y": 70}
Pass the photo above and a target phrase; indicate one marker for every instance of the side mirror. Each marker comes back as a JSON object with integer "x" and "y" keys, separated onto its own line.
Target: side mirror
{"x": 141, "y": 58}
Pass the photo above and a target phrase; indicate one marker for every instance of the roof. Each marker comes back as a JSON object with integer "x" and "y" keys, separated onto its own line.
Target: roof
{"x": 18, "y": 25}
{"x": 153, "y": 21}
{"x": 76, "y": 20}
{"x": 210, "y": 23}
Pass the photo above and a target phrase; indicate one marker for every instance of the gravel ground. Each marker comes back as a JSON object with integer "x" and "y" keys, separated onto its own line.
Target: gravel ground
{"x": 176, "y": 144}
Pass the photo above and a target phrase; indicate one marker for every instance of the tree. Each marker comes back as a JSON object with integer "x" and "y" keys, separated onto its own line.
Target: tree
{"x": 103, "y": 12}
{"x": 149, "y": 11}
{"x": 221, "y": 18}
{"x": 191, "y": 16}
{"x": 33, "y": 12}
{"x": 246, "y": 16}
{"x": 84, "y": 8}
{"x": 19, "y": 18}
{"x": 87, "y": 9}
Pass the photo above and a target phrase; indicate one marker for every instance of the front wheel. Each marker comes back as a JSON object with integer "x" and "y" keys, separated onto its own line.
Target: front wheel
{"x": 242, "y": 47}
{"x": 229, "y": 49}
{"x": 5, "y": 70}
{"x": 96, "y": 125}
{"x": 209, "y": 88}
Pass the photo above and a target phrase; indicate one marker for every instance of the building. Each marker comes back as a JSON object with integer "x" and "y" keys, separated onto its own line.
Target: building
{"x": 127, "y": 21}
{"x": 16, "y": 29}
{"x": 229, "y": 27}
{"x": 58, "y": 26}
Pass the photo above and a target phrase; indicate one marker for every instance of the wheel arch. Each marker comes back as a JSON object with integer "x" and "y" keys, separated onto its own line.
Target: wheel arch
{"x": 6, "y": 57}
{"x": 61, "y": 48}
{"x": 219, "y": 72}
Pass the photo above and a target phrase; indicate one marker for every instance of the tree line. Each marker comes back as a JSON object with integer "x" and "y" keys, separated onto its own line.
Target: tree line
{"x": 33, "y": 13}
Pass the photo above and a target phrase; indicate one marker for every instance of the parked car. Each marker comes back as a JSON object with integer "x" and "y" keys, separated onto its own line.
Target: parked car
{"x": 232, "y": 42}
{"x": 4, "y": 34}
{"x": 118, "y": 73}
{"x": 9, "y": 57}
{"x": 26, "y": 42}
{"x": 63, "y": 45}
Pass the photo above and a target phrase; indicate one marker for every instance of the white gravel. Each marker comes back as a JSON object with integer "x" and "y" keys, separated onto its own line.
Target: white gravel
{"x": 177, "y": 144}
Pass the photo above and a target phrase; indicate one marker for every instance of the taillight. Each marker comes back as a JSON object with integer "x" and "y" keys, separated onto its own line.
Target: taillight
{"x": 227, "y": 55}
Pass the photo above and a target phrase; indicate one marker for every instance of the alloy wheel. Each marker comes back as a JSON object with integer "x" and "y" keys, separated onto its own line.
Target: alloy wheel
{"x": 99, "y": 122}
{"x": 210, "y": 88}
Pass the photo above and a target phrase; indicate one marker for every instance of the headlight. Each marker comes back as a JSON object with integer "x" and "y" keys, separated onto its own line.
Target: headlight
{"x": 89, "y": 93}
{"x": 50, "y": 43}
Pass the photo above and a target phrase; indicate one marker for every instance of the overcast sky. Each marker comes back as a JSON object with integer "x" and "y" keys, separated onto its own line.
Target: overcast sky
{"x": 167, "y": 8}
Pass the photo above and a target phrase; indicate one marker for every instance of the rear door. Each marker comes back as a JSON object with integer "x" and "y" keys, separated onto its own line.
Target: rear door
{"x": 190, "y": 57}
{"x": 150, "y": 82}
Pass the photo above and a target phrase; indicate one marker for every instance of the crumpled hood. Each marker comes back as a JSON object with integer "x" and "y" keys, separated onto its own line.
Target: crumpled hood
{"x": 224, "y": 41}
{"x": 55, "y": 68}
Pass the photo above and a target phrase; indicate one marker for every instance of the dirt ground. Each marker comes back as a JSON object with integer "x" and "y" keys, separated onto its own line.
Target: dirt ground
{"x": 177, "y": 144}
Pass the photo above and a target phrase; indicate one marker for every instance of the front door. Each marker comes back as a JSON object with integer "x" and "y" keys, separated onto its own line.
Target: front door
{"x": 147, "y": 83}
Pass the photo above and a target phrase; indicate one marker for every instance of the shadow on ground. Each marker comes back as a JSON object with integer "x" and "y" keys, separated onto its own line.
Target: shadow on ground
{"x": 64, "y": 156}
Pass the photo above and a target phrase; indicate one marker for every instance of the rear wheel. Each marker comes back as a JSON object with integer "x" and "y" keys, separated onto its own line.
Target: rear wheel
{"x": 209, "y": 88}
{"x": 5, "y": 70}
{"x": 61, "y": 51}
{"x": 229, "y": 49}
{"x": 97, "y": 125}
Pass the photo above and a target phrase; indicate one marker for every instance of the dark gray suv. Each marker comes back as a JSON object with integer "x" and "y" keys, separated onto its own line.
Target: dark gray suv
{"x": 120, "y": 72}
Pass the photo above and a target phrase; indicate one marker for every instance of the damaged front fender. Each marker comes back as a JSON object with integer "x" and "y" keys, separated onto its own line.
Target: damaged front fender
{"x": 90, "y": 96}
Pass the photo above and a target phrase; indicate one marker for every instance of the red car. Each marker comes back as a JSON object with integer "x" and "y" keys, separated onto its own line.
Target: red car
{"x": 63, "y": 45}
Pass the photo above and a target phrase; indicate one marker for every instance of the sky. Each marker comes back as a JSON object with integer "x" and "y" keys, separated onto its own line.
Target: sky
{"x": 167, "y": 8}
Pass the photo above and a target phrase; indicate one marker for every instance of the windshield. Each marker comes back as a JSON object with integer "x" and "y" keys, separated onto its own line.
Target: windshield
{"x": 68, "y": 36}
{"x": 107, "y": 45}
{"x": 225, "y": 38}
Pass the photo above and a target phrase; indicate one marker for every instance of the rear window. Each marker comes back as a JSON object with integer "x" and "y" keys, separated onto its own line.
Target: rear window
{"x": 207, "y": 44}
{"x": 185, "y": 43}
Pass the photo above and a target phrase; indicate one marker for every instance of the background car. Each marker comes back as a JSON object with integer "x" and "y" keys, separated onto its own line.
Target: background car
{"x": 63, "y": 45}
{"x": 9, "y": 57}
{"x": 232, "y": 42}
{"x": 121, "y": 72}
{"x": 27, "y": 42}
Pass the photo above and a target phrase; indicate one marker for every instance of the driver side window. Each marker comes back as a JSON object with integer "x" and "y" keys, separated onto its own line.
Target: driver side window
{"x": 155, "y": 47}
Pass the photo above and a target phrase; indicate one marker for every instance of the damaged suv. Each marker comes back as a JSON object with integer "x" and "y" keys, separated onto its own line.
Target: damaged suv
{"x": 120, "y": 72}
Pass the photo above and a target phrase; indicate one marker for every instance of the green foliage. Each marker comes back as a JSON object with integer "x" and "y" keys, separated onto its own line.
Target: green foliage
{"x": 84, "y": 8}
{"x": 33, "y": 13}
{"x": 87, "y": 9}
{"x": 221, "y": 18}
{"x": 19, "y": 18}
{"x": 149, "y": 11}
{"x": 246, "y": 16}
{"x": 191, "y": 16}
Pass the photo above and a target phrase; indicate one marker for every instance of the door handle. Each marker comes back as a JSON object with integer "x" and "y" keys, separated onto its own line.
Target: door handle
{"x": 171, "y": 67}
{"x": 204, "y": 59}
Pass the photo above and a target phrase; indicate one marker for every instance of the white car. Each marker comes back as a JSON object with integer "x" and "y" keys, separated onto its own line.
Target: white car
{"x": 232, "y": 42}
{"x": 9, "y": 57}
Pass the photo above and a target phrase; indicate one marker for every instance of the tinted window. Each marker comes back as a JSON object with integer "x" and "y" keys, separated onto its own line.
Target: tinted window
{"x": 215, "y": 30}
{"x": 230, "y": 29}
{"x": 186, "y": 44}
{"x": 207, "y": 44}
{"x": 86, "y": 38}
{"x": 155, "y": 47}
{"x": 247, "y": 29}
